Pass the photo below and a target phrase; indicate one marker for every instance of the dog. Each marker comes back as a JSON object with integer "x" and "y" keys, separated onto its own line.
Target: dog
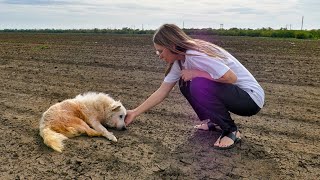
{"x": 87, "y": 113}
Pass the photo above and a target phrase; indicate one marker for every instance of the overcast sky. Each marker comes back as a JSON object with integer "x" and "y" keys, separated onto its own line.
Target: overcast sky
{"x": 148, "y": 14}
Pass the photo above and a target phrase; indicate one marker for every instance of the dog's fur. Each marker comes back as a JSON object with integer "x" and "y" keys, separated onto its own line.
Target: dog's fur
{"x": 87, "y": 113}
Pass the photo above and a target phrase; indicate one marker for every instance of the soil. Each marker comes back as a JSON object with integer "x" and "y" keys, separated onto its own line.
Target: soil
{"x": 38, "y": 70}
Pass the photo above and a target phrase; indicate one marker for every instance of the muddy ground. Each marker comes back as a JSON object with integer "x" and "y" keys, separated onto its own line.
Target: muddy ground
{"x": 38, "y": 70}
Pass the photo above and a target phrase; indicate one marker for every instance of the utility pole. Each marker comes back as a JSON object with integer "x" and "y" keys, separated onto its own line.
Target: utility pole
{"x": 302, "y": 23}
{"x": 221, "y": 26}
{"x": 182, "y": 24}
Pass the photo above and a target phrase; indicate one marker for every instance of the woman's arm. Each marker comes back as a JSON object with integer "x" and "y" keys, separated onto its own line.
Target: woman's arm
{"x": 158, "y": 96}
{"x": 228, "y": 77}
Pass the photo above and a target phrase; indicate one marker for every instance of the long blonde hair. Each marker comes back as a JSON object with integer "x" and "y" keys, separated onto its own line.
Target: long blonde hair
{"x": 177, "y": 41}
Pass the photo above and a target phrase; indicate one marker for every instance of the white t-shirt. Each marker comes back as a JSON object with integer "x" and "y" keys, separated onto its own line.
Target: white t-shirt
{"x": 217, "y": 67}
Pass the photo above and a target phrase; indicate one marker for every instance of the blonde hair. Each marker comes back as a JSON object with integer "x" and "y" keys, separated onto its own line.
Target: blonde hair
{"x": 177, "y": 41}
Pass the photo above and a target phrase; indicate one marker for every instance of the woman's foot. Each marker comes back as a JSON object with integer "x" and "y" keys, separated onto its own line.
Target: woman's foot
{"x": 202, "y": 126}
{"x": 208, "y": 126}
{"x": 227, "y": 140}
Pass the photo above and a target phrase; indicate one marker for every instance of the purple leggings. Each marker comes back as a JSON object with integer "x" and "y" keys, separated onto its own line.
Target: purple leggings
{"x": 213, "y": 100}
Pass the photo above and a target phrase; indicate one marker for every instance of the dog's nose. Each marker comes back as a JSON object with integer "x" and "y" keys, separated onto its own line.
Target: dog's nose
{"x": 123, "y": 128}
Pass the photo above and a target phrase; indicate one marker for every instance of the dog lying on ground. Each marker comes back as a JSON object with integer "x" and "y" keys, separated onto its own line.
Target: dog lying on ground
{"x": 87, "y": 113}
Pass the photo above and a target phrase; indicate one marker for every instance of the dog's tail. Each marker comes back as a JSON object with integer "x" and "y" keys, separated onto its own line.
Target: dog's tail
{"x": 53, "y": 139}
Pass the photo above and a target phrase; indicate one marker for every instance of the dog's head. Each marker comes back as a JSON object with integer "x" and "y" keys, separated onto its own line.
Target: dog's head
{"x": 118, "y": 113}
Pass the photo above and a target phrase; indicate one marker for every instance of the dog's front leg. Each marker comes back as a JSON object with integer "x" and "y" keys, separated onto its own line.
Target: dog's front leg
{"x": 98, "y": 127}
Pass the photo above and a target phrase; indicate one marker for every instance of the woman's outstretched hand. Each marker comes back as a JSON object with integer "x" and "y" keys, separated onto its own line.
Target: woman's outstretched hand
{"x": 129, "y": 117}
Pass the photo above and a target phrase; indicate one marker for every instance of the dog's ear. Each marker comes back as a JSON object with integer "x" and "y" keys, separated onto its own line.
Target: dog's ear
{"x": 116, "y": 106}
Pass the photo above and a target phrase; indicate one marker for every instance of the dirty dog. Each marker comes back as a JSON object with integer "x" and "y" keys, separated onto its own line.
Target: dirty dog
{"x": 87, "y": 113}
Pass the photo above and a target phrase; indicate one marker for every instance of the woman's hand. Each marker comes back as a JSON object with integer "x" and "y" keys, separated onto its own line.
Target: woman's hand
{"x": 189, "y": 74}
{"x": 129, "y": 117}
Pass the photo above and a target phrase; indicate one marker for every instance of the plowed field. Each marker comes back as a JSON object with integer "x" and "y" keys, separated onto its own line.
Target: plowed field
{"x": 38, "y": 70}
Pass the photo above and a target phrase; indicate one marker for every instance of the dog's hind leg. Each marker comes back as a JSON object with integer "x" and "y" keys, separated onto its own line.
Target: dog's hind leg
{"x": 74, "y": 126}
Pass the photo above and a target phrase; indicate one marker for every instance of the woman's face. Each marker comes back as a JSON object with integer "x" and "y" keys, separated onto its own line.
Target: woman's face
{"x": 165, "y": 54}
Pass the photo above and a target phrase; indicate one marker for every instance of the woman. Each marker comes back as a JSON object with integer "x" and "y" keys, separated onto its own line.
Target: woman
{"x": 213, "y": 81}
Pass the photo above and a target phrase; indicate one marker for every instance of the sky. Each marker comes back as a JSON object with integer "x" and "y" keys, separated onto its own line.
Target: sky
{"x": 150, "y": 14}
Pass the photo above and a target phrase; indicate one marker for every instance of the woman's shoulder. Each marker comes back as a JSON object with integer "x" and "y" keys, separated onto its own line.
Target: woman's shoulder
{"x": 197, "y": 55}
{"x": 194, "y": 52}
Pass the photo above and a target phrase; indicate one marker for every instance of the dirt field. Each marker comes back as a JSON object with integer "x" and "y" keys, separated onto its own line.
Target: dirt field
{"x": 38, "y": 70}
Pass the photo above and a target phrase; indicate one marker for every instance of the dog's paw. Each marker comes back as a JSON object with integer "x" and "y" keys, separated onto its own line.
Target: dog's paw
{"x": 111, "y": 137}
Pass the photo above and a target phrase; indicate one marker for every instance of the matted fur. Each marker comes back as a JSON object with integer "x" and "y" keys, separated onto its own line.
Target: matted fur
{"x": 87, "y": 113}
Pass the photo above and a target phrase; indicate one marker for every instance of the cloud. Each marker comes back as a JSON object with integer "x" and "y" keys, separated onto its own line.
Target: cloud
{"x": 125, "y": 13}
{"x": 244, "y": 10}
{"x": 36, "y": 2}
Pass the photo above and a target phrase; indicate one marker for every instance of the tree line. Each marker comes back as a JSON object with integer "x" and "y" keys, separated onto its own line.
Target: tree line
{"x": 263, "y": 32}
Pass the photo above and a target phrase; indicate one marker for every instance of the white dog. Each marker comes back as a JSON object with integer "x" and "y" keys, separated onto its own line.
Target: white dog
{"x": 85, "y": 114}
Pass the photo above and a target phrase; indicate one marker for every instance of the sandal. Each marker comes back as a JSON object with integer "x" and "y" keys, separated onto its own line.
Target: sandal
{"x": 209, "y": 126}
{"x": 231, "y": 136}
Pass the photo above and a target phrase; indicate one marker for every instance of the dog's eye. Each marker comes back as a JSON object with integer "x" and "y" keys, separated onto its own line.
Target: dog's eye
{"x": 120, "y": 116}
